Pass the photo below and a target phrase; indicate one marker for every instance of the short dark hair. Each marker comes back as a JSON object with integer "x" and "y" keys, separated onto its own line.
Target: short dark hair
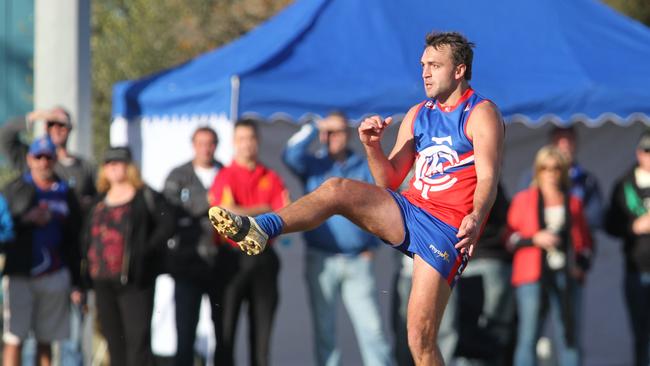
{"x": 338, "y": 113}
{"x": 248, "y": 122}
{"x": 207, "y": 130}
{"x": 557, "y": 130}
{"x": 461, "y": 48}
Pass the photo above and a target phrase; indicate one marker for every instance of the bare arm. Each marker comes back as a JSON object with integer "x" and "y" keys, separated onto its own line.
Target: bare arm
{"x": 388, "y": 171}
{"x": 487, "y": 133}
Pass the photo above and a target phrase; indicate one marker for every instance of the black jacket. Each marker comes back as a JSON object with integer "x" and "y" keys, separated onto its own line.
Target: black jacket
{"x": 193, "y": 253}
{"x": 21, "y": 197}
{"x": 491, "y": 244}
{"x": 626, "y": 204}
{"x": 151, "y": 224}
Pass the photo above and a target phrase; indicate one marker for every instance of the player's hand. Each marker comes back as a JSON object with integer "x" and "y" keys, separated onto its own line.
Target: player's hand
{"x": 372, "y": 128}
{"x": 77, "y": 296}
{"x": 38, "y": 216}
{"x": 37, "y": 115}
{"x": 468, "y": 233}
{"x": 546, "y": 239}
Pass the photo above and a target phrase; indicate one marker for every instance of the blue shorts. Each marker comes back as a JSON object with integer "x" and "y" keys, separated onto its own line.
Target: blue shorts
{"x": 431, "y": 239}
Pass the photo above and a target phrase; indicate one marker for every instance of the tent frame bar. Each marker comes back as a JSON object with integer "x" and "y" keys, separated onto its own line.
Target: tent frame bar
{"x": 234, "y": 97}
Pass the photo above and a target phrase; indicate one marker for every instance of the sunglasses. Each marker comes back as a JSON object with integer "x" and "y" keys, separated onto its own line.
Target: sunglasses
{"x": 56, "y": 124}
{"x": 554, "y": 168}
{"x": 43, "y": 156}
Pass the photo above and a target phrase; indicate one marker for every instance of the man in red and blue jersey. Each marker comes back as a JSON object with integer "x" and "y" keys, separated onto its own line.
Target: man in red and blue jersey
{"x": 455, "y": 138}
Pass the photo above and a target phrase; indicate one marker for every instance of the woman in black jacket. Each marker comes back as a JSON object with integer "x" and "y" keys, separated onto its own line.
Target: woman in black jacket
{"x": 126, "y": 231}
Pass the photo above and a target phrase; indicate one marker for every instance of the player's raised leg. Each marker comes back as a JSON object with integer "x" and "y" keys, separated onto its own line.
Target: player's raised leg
{"x": 369, "y": 206}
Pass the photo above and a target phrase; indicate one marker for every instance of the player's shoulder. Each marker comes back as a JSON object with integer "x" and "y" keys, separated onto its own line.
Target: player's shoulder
{"x": 487, "y": 113}
{"x": 487, "y": 107}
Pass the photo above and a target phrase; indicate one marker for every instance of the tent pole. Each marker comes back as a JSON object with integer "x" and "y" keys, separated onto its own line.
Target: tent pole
{"x": 234, "y": 97}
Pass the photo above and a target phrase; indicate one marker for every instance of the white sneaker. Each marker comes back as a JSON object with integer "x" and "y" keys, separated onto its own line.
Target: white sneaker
{"x": 241, "y": 229}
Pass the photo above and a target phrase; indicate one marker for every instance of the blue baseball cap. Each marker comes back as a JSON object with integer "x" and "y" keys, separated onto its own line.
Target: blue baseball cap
{"x": 42, "y": 146}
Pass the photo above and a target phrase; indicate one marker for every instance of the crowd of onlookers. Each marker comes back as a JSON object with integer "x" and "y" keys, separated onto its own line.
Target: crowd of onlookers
{"x": 69, "y": 230}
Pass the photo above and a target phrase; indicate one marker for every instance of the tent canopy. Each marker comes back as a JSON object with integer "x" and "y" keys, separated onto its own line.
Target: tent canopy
{"x": 538, "y": 60}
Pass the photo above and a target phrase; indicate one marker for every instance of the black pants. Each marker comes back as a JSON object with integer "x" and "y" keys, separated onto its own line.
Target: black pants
{"x": 187, "y": 295}
{"x": 253, "y": 279}
{"x": 124, "y": 313}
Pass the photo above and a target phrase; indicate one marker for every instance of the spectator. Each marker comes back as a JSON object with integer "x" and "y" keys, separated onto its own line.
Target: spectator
{"x": 127, "y": 227}
{"x": 339, "y": 257}
{"x": 44, "y": 257}
{"x": 628, "y": 219}
{"x": 248, "y": 188}
{"x": 6, "y": 232}
{"x": 6, "y": 224}
{"x": 552, "y": 250}
{"x": 477, "y": 326}
{"x": 79, "y": 176}
{"x": 583, "y": 183}
{"x": 192, "y": 260}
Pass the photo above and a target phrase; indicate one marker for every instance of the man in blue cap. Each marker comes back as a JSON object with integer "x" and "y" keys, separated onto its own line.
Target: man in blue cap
{"x": 42, "y": 262}
{"x": 78, "y": 173}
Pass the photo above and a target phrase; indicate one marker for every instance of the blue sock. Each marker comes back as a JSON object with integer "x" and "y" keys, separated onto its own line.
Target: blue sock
{"x": 271, "y": 223}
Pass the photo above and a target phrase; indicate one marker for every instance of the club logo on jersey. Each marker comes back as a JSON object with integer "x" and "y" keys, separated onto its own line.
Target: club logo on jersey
{"x": 430, "y": 169}
{"x": 444, "y": 255}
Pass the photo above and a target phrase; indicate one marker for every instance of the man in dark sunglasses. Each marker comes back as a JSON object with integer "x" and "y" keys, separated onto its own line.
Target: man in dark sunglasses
{"x": 42, "y": 275}
{"x": 78, "y": 174}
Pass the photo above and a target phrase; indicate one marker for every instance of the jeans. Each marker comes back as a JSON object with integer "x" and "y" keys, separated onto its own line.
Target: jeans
{"x": 637, "y": 296}
{"x": 350, "y": 277}
{"x": 533, "y": 300}
{"x": 476, "y": 328}
{"x": 70, "y": 348}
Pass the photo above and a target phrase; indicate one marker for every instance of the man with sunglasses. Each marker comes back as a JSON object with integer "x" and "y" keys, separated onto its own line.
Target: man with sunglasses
{"x": 339, "y": 255}
{"x": 78, "y": 173}
{"x": 42, "y": 262}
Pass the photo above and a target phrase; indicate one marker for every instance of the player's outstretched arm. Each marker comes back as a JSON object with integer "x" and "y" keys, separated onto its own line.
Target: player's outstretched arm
{"x": 388, "y": 171}
{"x": 486, "y": 129}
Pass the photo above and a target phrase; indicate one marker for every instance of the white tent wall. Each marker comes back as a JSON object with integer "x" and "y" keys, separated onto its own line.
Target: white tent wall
{"x": 160, "y": 144}
{"x": 607, "y": 151}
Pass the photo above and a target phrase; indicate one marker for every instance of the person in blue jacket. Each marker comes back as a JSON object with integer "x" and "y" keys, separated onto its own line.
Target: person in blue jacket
{"x": 6, "y": 225}
{"x": 339, "y": 255}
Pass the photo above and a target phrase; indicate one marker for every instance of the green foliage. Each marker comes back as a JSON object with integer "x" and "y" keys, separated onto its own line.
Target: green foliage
{"x": 637, "y": 9}
{"x": 6, "y": 175}
{"x": 134, "y": 38}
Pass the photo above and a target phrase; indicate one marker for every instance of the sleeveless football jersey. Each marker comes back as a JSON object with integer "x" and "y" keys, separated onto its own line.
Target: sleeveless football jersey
{"x": 444, "y": 178}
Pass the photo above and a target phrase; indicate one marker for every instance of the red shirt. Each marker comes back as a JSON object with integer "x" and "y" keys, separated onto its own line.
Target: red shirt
{"x": 238, "y": 185}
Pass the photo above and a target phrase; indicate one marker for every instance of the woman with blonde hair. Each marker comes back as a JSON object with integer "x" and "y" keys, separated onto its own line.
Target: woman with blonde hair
{"x": 127, "y": 228}
{"x": 552, "y": 250}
